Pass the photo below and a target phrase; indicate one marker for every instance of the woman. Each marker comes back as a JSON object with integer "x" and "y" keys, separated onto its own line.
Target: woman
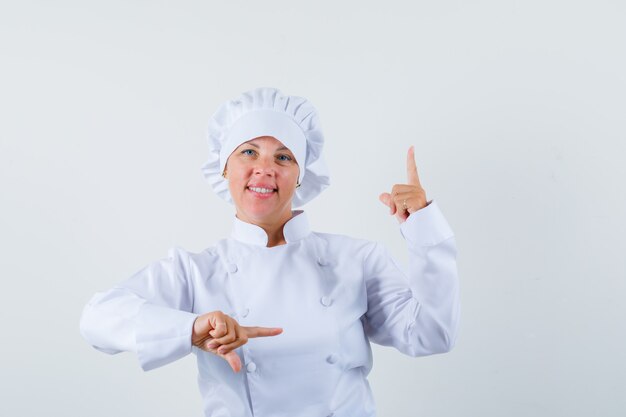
{"x": 280, "y": 317}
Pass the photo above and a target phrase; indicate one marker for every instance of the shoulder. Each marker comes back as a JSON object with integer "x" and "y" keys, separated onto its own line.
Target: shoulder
{"x": 345, "y": 245}
{"x": 184, "y": 259}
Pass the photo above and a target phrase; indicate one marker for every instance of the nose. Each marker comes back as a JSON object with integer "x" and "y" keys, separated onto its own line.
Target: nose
{"x": 264, "y": 166}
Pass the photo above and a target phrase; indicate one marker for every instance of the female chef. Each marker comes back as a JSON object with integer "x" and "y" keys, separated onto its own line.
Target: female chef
{"x": 280, "y": 317}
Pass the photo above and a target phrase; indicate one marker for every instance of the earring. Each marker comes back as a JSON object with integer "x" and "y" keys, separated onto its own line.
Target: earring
{"x": 298, "y": 185}
{"x": 224, "y": 173}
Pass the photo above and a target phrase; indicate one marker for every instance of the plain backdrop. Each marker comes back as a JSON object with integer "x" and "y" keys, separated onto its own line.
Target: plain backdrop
{"x": 517, "y": 112}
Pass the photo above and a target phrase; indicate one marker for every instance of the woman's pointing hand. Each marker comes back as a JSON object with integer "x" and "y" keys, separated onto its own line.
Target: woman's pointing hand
{"x": 220, "y": 334}
{"x": 406, "y": 199}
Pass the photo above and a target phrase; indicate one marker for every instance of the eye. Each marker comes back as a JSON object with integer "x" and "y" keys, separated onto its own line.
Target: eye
{"x": 284, "y": 158}
{"x": 248, "y": 152}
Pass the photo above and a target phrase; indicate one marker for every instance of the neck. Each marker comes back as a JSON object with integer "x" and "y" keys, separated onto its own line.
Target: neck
{"x": 275, "y": 237}
{"x": 274, "y": 230}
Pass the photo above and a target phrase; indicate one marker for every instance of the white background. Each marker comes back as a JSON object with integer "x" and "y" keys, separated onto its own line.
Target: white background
{"x": 516, "y": 109}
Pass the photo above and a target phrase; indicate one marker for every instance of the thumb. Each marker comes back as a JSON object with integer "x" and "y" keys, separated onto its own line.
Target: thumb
{"x": 233, "y": 360}
{"x": 385, "y": 198}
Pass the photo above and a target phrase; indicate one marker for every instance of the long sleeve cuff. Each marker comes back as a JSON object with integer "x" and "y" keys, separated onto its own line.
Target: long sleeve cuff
{"x": 163, "y": 335}
{"x": 426, "y": 227}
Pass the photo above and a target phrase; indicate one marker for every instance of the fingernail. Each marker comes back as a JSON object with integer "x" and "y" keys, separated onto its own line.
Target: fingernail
{"x": 212, "y": 345}
{"x": 221, "y": 350}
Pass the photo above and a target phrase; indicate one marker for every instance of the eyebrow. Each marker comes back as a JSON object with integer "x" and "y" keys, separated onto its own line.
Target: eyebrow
{"x": 282, "y": 148}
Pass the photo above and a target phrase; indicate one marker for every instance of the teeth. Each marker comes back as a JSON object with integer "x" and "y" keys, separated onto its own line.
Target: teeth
{"x": 261, "y": 190}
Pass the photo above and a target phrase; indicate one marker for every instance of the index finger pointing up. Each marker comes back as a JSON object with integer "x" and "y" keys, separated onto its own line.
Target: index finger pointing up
{"x": 411, "y": 168}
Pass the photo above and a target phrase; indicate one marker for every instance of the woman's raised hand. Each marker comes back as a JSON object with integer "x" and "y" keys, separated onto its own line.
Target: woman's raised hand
{"x": 220, "y": 334}
{"x": 406, "y": 199}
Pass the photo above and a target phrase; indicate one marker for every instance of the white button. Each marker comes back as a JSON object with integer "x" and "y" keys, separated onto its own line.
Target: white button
{"x": 232, "y": 268}
{"x": 244, "y": 313}
{"x": 332, "y": 358}
{"x": 321, "y": 261}
{"x": 251, "y": 367}
{"x": 326, "y": 301}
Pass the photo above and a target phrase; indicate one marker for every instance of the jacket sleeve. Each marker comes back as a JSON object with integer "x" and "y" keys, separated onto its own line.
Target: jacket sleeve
{"x": 419, "y": 313}
{"x": 149, "y": 314}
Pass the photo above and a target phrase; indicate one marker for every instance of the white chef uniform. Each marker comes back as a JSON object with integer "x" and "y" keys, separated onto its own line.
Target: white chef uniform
{"x": 331, "y": 294}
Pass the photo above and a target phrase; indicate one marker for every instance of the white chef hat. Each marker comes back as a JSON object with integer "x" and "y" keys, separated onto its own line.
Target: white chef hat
{"x": 268, "y": 112}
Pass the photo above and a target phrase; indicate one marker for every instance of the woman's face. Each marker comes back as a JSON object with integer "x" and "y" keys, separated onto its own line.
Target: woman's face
{"x": 262, "y": 177}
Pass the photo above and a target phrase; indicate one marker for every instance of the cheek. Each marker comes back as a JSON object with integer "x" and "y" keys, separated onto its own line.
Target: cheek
{"x": 236, "y": 182}
{"x": 295, "y": 171}
{"x": 237, "y": 172}
{"x": 291, "y": 176}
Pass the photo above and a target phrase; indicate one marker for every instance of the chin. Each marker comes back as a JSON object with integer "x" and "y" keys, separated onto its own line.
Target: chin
{"x": 262, "y": 214}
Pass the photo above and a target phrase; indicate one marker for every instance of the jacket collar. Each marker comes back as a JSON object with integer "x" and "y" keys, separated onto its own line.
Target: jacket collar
{"x": 295, "y": 229}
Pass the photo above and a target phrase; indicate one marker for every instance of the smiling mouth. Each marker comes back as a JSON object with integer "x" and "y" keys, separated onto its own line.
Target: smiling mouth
{"x": 261, "y": 190}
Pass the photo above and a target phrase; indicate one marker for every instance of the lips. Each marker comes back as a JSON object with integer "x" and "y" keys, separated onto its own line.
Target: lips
{"x": 261, "y": 190}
